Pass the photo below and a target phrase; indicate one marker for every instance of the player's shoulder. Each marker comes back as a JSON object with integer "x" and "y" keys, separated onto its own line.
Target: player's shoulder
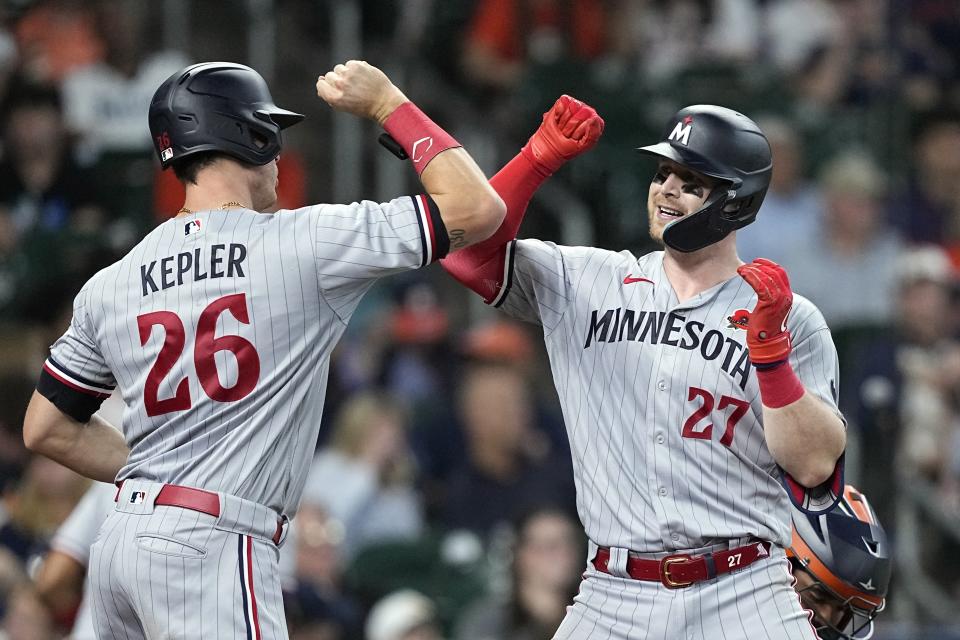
{"x": 321, "y": 216}
{"x": 328, "y": 213}
{"x": 575, "y": 256}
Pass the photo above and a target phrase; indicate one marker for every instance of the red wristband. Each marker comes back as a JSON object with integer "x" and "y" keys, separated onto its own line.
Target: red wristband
{"x": 420, "y": 137}
{"x": 779, "y": 386}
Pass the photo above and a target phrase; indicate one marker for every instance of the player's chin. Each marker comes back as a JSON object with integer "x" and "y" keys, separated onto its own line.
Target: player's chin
{"x": 656, "y": 231}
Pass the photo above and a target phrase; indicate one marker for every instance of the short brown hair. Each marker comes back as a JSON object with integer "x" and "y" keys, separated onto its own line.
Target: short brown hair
{"x": 187, "y": 169}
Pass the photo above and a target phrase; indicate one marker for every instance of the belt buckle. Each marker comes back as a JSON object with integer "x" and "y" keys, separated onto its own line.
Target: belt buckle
{"x": 666, "y": 579}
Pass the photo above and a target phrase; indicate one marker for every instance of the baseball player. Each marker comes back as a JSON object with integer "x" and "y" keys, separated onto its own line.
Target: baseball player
{"x": 841, "y": 560}
{"x": 217, "y": 329}
{"x": 699, "y": 394}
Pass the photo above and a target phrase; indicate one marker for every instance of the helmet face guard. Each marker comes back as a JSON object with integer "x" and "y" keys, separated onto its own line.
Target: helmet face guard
{"x": 856, "y": 622}
{"x": 217, "y": 106}
{"x": 724, "y": 145}
{"x": 846, "y": 553}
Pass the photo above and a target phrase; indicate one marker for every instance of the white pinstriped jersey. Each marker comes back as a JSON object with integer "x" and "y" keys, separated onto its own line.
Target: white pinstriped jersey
{"x": 217, "y": 329}
{"x": 661, "y": 404}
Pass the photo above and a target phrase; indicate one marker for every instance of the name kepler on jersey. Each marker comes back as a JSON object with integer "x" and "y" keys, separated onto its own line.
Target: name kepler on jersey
{"x": 223, "y": 261}
{"x": 671, "y": 329}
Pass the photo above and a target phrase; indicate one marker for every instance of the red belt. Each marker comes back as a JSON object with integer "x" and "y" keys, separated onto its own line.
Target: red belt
{"x": 208, "y": 502}
{"x": 682, "y": 570}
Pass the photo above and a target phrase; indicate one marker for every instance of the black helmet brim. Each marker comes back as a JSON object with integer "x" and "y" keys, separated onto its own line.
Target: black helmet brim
{"x": 689, "y": 159}
{"x": 281, "y": 117}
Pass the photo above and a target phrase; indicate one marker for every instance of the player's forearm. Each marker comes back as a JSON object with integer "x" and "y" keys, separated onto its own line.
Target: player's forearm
{"x": 568, "y": 129}
{"x": 805, "y": 438}
{"x": 480, "y": 267}
{"x": 95, "y": 449}
{"x": 470, "y": 208}
{"x": 515, "y": 183}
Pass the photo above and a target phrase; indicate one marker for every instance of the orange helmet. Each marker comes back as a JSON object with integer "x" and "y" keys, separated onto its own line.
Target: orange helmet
{"x": 846, "y": 552}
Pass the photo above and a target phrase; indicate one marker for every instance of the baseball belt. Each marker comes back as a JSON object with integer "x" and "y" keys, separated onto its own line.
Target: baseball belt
{"x": 208, "y": 502}
{"x": 682, "y": 570}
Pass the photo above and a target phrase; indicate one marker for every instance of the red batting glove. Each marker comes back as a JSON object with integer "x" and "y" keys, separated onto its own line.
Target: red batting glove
{"x": 569, "y": 128}
{"x": 768, "y": 340}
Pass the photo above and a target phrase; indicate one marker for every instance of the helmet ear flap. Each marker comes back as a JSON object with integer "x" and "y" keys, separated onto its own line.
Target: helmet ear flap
{"x": 739, "y": 212}
{"x": 258, "y": 140}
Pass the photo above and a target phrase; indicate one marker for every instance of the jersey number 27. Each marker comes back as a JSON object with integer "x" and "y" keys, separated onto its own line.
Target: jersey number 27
{"x": 205, "y": 348}
{"x": 691, "y": 428}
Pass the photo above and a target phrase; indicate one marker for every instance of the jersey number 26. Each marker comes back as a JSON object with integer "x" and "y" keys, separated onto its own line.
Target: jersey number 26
{"x": 205, "y": 348}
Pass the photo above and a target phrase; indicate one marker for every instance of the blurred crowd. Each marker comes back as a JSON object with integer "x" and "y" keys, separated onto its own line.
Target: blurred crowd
{"x": 441, "y": 503}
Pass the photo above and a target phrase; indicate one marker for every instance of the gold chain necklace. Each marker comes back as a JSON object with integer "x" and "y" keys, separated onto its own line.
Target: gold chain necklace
{"x": 225, "y": 205}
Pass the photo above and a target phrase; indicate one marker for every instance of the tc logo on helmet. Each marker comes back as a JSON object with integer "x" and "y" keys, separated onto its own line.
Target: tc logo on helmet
{"x": 681, "y": 132}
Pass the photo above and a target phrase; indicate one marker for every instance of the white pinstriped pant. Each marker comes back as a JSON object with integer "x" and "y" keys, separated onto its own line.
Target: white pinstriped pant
{"x": 754, "y": 603}
{"x": 163, "y": 572}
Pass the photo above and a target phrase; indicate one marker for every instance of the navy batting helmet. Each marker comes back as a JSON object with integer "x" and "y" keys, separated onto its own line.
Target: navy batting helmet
{"x": 217, "y": 106}
{"x": 846, "y": 552}
{"x": 726, "y": 145}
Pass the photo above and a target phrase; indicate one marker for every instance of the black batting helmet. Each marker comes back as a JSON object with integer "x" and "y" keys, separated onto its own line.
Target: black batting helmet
{"x": 846, "y": 552}
{"x": 726, "y": 145}
{"x": 217, "y": 106}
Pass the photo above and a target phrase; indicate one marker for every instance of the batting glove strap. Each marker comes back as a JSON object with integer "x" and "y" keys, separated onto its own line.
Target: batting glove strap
{"x": 770, "y": 350}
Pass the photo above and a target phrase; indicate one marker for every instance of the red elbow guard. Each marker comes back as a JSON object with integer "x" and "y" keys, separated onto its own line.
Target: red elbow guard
{"x": 486, "y": 273}
{"x": 486, "y": 266}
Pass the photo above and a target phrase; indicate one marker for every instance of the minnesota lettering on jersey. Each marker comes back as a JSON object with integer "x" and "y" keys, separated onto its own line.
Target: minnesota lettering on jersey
{"x": 671, "y": 329}
{"x": 222, "y": 261}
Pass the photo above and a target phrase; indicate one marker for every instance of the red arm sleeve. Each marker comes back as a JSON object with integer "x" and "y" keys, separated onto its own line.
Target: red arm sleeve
{"x": 569, "y": 128}
{"x": 481, "y": 267}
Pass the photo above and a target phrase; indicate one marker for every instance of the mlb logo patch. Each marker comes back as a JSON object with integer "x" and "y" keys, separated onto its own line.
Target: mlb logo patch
{"x": 166, "y": 154}
{"x": 137, "y": 497}
{"x": 191, "y": 228}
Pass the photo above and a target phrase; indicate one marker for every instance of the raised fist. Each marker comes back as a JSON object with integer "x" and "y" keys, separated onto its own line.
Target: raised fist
{"x": 568, "y": 129}
{"x": 361, "y": 89}
{"x": 768, "y": 340}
